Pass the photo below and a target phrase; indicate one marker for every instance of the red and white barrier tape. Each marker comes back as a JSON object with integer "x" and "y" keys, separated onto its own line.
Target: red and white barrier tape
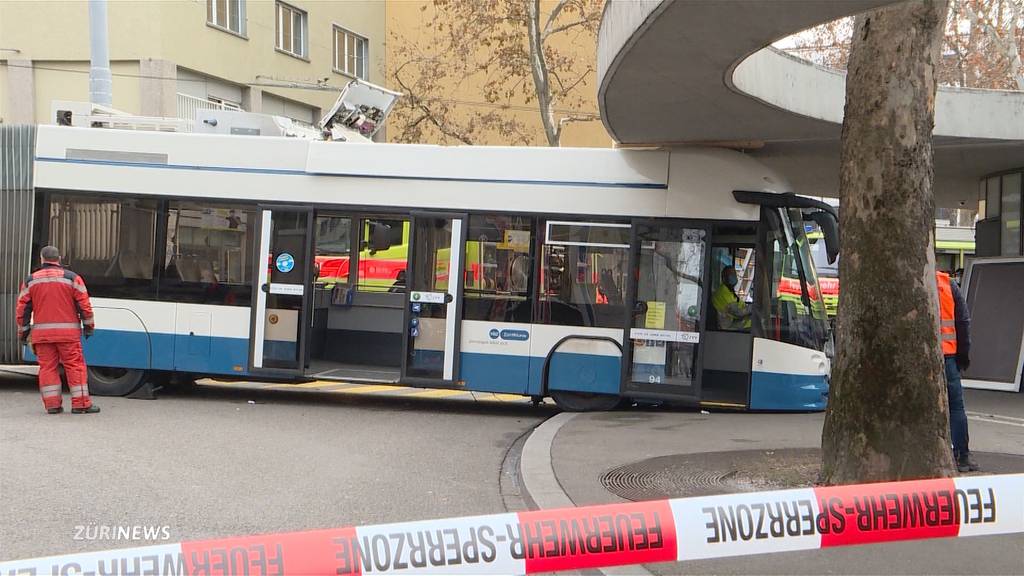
{"x": 592, "y": 536}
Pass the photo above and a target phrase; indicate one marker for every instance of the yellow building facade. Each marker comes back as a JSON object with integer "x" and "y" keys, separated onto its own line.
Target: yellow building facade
{"x": 168, "y": 58}
{"x": 407, "y": 22}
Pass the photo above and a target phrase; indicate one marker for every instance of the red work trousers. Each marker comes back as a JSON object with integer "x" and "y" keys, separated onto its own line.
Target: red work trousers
{"x": 68, "y": 354}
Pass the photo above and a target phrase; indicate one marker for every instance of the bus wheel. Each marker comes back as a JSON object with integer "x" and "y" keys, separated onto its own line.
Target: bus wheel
{"x": 114, "y": 381}
{"x": 584, "y": 401}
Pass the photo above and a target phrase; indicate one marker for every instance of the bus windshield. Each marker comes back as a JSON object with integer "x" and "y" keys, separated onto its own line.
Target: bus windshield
{"x": 789, "y": 305}
{"x": 820, "y": 256}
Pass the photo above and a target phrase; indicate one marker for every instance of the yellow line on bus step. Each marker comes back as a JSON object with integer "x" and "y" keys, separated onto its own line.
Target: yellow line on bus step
{"x": 367, "y": 389}
{"x": 438, "y": 393}
{"x": 318, "y": 384}
{"x": 336, "y": 386}
{"x": 510, "y": 397}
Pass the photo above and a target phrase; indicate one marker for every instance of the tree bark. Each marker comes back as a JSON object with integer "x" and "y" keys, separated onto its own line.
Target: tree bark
{"x": 887, "y": 417}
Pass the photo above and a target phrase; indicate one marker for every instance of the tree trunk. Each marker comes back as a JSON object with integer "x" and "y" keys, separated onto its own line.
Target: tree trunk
{"x": 887, "y": 416}
{"x": 539, "y": 70}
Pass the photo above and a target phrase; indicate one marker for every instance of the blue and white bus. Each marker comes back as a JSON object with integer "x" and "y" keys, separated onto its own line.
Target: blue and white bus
{"x": 584, "y": 275}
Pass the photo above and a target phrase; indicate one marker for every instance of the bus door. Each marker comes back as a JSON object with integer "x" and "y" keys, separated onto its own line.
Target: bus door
{"x": 434, "y": 305}
{"x": 662, "y": 353}
{"x": 281, "y": 292}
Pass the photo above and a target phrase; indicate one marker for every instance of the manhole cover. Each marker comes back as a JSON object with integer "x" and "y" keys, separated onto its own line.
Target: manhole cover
{"x": 684, "y": 475}
{"x": 713, "y": 473}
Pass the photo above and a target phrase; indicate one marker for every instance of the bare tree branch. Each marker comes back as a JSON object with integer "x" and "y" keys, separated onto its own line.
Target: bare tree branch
{"x": 565, "y": 27}
{"x": 495, "y": 51}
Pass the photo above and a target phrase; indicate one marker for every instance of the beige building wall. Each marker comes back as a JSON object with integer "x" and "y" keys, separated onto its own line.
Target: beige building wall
{"x": 408, "y": 19}
{"x": 174, "y": 34}
{"x": 65, "y": 80}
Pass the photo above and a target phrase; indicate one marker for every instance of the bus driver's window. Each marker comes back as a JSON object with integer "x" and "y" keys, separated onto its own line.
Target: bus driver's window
{"x": 732, "y": 275}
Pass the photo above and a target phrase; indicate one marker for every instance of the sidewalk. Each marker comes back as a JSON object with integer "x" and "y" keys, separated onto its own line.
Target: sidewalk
{"x": 585, "y": 447}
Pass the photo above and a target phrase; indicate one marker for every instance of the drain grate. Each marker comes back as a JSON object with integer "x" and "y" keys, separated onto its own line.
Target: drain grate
{"x": 639, "y": 482}
{"x": 712, "y": 473}
{"x": 685, "y": 475}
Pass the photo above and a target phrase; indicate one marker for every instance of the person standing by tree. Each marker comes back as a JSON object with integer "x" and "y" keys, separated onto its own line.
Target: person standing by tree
{"x": 955, "y": 334}
{"x": 58, "y": 302}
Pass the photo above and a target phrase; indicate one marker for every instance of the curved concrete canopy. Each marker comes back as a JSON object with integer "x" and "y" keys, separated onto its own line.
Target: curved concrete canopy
{"x": 697, "y": 71}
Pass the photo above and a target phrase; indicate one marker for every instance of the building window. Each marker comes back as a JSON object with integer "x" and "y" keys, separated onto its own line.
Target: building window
{"x": 227, "y": 14}
{"x": 291, "y": 30}
{"x": 222, "y": 104}
{"x": 1010, "y": 214}
{"x": 992, "y": 204}
{"x": 351, "y": 53}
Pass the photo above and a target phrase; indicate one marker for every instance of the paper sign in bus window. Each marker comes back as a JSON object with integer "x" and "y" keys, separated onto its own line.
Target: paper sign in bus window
{"x": 655, "y": 315}
{"x": 516, "y": 240}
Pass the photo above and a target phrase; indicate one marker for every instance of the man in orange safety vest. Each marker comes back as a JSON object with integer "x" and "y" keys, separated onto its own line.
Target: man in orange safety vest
{"x": 955, "y": 336}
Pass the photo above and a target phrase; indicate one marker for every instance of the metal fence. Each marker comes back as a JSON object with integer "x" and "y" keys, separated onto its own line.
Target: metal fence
{"x": 188, "y": 105}
{"x": 17, "y": 200}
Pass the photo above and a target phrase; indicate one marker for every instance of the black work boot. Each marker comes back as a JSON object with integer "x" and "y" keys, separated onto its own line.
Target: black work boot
{"x": 90, "y": 410}
{"x": 965, "y": 462}
{"x": 56, "y": 410}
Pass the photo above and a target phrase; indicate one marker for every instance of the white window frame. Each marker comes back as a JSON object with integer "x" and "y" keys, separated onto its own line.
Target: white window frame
{"x": 211, "y": 16}
{"x": 342, "y": 52}
{"x": 280, "y": 7}
{"x": 550, "y": 223}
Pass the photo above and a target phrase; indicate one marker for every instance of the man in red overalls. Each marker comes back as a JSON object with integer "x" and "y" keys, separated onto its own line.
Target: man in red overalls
{"x": 57, "y": 301}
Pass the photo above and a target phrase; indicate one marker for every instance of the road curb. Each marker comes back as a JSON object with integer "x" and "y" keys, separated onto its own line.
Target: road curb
{"x": 541, "y": 488}
{"x": 540, "y": 485}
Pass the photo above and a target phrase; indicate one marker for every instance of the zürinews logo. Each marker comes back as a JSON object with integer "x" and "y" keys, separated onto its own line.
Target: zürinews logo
{"x": 509, "y": 334}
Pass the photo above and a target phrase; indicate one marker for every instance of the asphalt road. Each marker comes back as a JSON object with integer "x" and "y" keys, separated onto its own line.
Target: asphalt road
{"x": 209, "y": 462}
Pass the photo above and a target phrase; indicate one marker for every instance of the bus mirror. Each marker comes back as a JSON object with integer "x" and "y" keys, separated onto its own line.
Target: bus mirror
{"x": 380, "y": 237}
{"x": 830, "y": 230}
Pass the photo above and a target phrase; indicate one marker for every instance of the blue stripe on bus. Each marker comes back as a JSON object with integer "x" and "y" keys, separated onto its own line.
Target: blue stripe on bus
{"x": 211, "y": 355}
{"x": 158, "y": 351}
{"x": 577, "y": 372}
{"x": 495, "y": 372}
{"x": 640, "y": 185}
{"x": 483, "y": 372}
{"x": 523, "y": 375}
{"x": 775, "y": 391}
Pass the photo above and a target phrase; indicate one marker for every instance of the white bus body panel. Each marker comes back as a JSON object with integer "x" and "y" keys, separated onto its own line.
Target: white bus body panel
{"x": 681, "y": 183}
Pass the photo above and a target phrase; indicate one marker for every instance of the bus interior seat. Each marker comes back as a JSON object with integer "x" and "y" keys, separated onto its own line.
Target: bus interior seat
{"x": 609, "y": 288}
{"x": 131, "y": 265}
{"x": 188, "y": 269}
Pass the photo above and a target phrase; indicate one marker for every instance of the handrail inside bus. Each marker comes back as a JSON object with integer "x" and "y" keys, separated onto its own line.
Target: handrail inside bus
{"x": 782, "y": 200}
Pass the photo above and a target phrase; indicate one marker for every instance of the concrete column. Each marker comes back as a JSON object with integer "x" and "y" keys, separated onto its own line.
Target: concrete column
{"x": 100, "y": 82}
{"x": 21, "y": 93}
{"x": 252, "y": 99}
{"x": 158, "y": 88}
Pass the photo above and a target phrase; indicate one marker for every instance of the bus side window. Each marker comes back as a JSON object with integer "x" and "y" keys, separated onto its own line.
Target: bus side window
{"x": 333, "y": 249}
{"x": 383, "y": 254}
{"x": 209, "y": 256}
{"x": 109, "y": 241}
{"x": 498, "y": 270}
{"x": 584, "y": 273}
